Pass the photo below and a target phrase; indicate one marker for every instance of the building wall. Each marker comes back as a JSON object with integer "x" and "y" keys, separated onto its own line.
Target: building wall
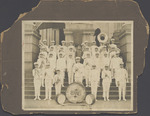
{"x": 123, "y": 36}
{"x": 31, "y": 48}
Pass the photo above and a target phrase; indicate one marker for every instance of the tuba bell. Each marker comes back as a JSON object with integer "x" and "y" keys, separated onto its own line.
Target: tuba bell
{"x": 102, "y": 38}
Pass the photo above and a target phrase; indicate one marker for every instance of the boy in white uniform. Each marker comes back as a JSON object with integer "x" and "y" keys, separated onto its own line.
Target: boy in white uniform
{"x": 70, "y": 63}
{"x": 105, "y": 60}
{"x": 37, "y": 81}
{"x": 49, "y": 74}
{"x": 115, "y": 64}
{"x": 71, "y": 45}
{"x": 122, "y": 79}
{"x": 61, "y": 65}
{"x": 78, "y": 71}
{"x": 97, "y": 61}
{"x": 52, "y": 50}
{"x": 57, "y": 81}
{"x": 52, "y": 61}
{"x": 87, "y": 68}
{"x": 85, "y": 52}
{"x": 64, "y": 46}
{"x": 42, "y": 63}
{"x": 71, "y": 50}
{"x": 94, "y": 79}
{"x": 52, "y": 44}
{"x": 106, "y": 76}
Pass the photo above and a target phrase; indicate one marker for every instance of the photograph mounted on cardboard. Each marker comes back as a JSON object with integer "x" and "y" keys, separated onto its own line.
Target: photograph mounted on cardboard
{"x": 77, "y": 65}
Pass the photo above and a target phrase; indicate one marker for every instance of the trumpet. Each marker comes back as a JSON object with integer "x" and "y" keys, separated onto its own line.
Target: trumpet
{"x": 102, "y": 38}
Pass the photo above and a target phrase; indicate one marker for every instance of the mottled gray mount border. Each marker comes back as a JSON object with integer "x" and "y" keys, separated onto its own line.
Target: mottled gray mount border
{"x": 67, "y": 10}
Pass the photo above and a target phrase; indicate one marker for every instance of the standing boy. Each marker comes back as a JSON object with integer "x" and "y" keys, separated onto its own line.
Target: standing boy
{"x": 37, "y": 81}
{"x": 49, "y": 74}
{"x": 94, "y": 80}
{"x": 106, "y": 76}
{"x": 87, "y": 68}
{"x": 70, "y": 63}
{"x": 57, "y": 81}
{"x": 78, "y": 71}
{"x": 122, "y": 79}
{"x": 61, "y": 64}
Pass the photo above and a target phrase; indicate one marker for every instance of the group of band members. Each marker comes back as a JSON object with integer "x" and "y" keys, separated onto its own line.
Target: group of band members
{"x": 98, "y": 62}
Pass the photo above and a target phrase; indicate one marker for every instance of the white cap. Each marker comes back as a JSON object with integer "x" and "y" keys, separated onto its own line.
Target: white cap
{"x": 36, "y": 63}
{"x": 44, "y": 40}
{"x": 77, "y": 58}
{"x": 52, "y": 41}
{"x": 62, "y": 41}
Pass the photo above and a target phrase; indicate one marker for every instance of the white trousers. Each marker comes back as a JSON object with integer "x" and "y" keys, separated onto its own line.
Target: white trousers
{"x": 62, "y": 73}
{"x": 58, "y": 88}
{"x": 106, "y": 88}
{"x": 70, "y": 76}
{"x": 48, "y": 88}
{"x": 94, "y": 86}
{"x": 122, "y": 89}
{"x": 37, "y": 86}
{"x": 87, "y": 76}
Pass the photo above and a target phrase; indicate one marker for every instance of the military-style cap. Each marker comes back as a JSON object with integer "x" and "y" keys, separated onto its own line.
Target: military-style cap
{"x": 97, "y": 53}
{"x": 52, "y": 41}
{"x": 61, "y": 53}
{"x": 88, "y": 53}
{"x": 44, "y": 40}
{"x": 36, "y": 63}
{"x": 70, "y": 54}
{"x": 96, "y": 47}
{"x": 106, "y": 53}
{"x": 106, "y": 65}
{"x": 112, "y": 39}
{"x": 93, "y": 65}
{"x": 77, "y": 58}
{"x": 121, "y": 63}
{"x": 71, "y": 41}
{"x": 61, "y": 47}
{"x": 70, "y": 47}
{"x": 63, "y": 41}
{"x": 48, "y": 64}
{"x": 41, "y": 53}
{"x": 57, "y": 69}
{"x": 51, "y": 53}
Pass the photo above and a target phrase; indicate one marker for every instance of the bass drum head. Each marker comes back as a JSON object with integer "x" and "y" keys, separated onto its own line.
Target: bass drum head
{"x": 75, "y": 93}
{"x": 90, "y": 99}
{"x": 60, "y": 99}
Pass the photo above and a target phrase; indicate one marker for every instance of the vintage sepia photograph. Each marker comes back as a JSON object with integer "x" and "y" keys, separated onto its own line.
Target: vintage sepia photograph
{"x": 77, "y": 65}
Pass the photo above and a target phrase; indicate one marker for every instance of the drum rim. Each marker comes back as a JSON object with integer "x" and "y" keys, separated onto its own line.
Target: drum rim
{"x": 59, "y": 95}
{"x": 78, "y": 84}
{"x": 93, "y": 100}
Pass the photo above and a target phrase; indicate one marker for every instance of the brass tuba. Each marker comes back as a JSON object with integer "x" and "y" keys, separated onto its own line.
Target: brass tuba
{"x": 102, "y": 38}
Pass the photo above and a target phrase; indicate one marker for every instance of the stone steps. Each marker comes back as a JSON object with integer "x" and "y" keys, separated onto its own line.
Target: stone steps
{"x": 29, "y": 89}
{"x": 87, "y": 88}
{"x": 99, "y": 97}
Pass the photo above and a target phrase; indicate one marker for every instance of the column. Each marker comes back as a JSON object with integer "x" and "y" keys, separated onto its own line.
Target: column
{"x": 88, "y": 36}
{"x": 31, "y": 48}
{"x": 124, "y": 39}
{"x": 68, "y": 35}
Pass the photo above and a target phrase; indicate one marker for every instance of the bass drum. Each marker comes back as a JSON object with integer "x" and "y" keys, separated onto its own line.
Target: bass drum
{"x": 60, "y": 99}
{"x": 75, "y": 93}
{"x": 90, "y": 99}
